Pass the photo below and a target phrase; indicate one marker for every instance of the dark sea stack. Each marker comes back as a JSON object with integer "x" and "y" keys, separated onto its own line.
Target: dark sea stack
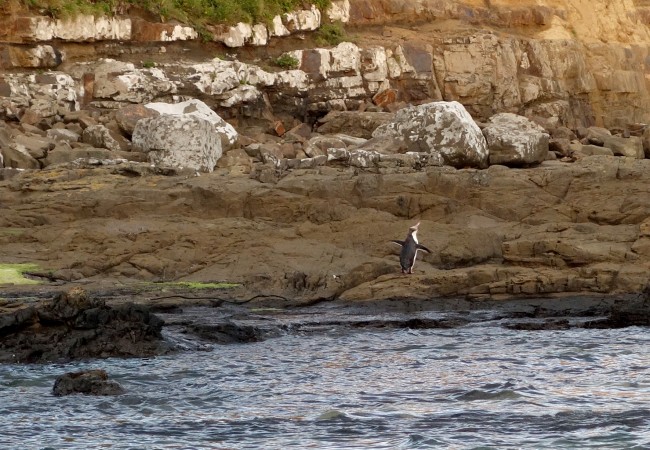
{"x": 89, "y": 382}
{"x": 74, "y": 326}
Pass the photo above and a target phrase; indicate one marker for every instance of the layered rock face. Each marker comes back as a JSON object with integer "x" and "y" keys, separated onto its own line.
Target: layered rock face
{"x": 560, "y": 62}
{"x": 578, "y": 228}
{"x": 563, "y": 63}
{"x": 583, "y": 62}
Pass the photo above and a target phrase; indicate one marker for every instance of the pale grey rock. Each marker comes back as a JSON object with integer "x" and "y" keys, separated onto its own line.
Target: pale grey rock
{"x": 62, "y": 134}
{"x": 181, "y": 141}
{"x": 196, "y": 108}
{"x": 514, "y": 140}
{"x": 80, "y": 28}
{"x": 45, "y": 95}
{"x": 338, "y": 11}
{"x": 302, "y": 20}
{"x": 443, "y": 128}
{"x": 122, "y": 82}
{"x": 337, "y": 154}
{"x": 363, "y": 159}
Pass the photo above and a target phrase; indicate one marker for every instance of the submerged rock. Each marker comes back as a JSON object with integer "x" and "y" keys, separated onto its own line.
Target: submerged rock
{"x": 89, "y": 382}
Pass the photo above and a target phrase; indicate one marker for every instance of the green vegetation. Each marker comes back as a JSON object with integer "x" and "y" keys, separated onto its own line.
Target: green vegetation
{"x": 197, "y": 285}
{"x": 287, "y": 62}
{"x": 148, "y": 64}
{"x": 194, "y": 12}
{"x": 11, "y": 231}
{"x": 14, "y": 273}
{"x": 331, "y": 34}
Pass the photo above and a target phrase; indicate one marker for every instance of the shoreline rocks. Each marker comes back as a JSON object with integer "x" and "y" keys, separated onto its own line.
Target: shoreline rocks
{"x": 74, "y": 325}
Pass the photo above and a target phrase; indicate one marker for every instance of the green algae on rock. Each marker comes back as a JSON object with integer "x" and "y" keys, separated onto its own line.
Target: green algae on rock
{"x": 15, "y": 273}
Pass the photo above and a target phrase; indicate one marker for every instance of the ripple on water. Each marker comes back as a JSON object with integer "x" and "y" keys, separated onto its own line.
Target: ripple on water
{"x": 465, "y": 388}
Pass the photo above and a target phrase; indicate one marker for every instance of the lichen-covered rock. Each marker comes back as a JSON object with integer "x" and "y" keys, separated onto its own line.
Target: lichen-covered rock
{"x": 62, "y": 135}
{"x": 514, "y": 140}
{"x": 445, "y": 128}
{"x": 181, "y": 141}
{"x": 363, "y": 158}
{"x": 89, "y": 382}
{"x": 122, "y": 82}
{"x": 196, "y": 108}
{"x": 45, "y": 94}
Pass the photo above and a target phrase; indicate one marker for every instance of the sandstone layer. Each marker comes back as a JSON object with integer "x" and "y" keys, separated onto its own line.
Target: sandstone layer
{"x": 325, "y": 232}
{"x": 574, "y": 63}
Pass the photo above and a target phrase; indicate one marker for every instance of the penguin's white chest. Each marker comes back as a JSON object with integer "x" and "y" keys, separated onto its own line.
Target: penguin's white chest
{"x": 415, "y": 237}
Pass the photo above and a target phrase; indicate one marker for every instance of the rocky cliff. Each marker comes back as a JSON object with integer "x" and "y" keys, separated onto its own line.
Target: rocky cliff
{"x": 326, "y": 166}
{"x": 573, "y": 62}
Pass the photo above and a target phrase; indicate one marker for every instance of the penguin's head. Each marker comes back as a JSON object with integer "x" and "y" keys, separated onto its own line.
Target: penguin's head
{"x": 414, "y": 228}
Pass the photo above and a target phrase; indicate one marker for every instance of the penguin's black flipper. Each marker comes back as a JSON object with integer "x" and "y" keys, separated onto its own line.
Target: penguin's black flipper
{"x": 422, "y": 247}
{"x": 400, "y": 243}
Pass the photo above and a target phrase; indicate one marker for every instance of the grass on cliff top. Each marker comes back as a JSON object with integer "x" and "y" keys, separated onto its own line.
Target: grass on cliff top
{"x": 14, "y": 273}
{"x": 194, "y": 12}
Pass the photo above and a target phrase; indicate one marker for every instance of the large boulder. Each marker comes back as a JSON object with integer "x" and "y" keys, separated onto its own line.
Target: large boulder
{"x": 185, "y": 141}
{"x": 196, "y": 108}
{"x": 443, "y": 128}
{"x": 514, "y": 140}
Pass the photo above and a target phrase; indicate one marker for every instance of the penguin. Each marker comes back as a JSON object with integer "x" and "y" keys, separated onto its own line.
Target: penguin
{"x": 410, "y": 247}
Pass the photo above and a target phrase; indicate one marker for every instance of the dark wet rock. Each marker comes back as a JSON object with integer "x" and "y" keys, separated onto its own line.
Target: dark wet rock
{"x": 536, "y": 325}
{"x": 632, "y": 313}
{"x": 413, "y": 323}
{"x": 73, "y": 326}
{"x": 231, "y": 332}
{"x": 89, "y": 382}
